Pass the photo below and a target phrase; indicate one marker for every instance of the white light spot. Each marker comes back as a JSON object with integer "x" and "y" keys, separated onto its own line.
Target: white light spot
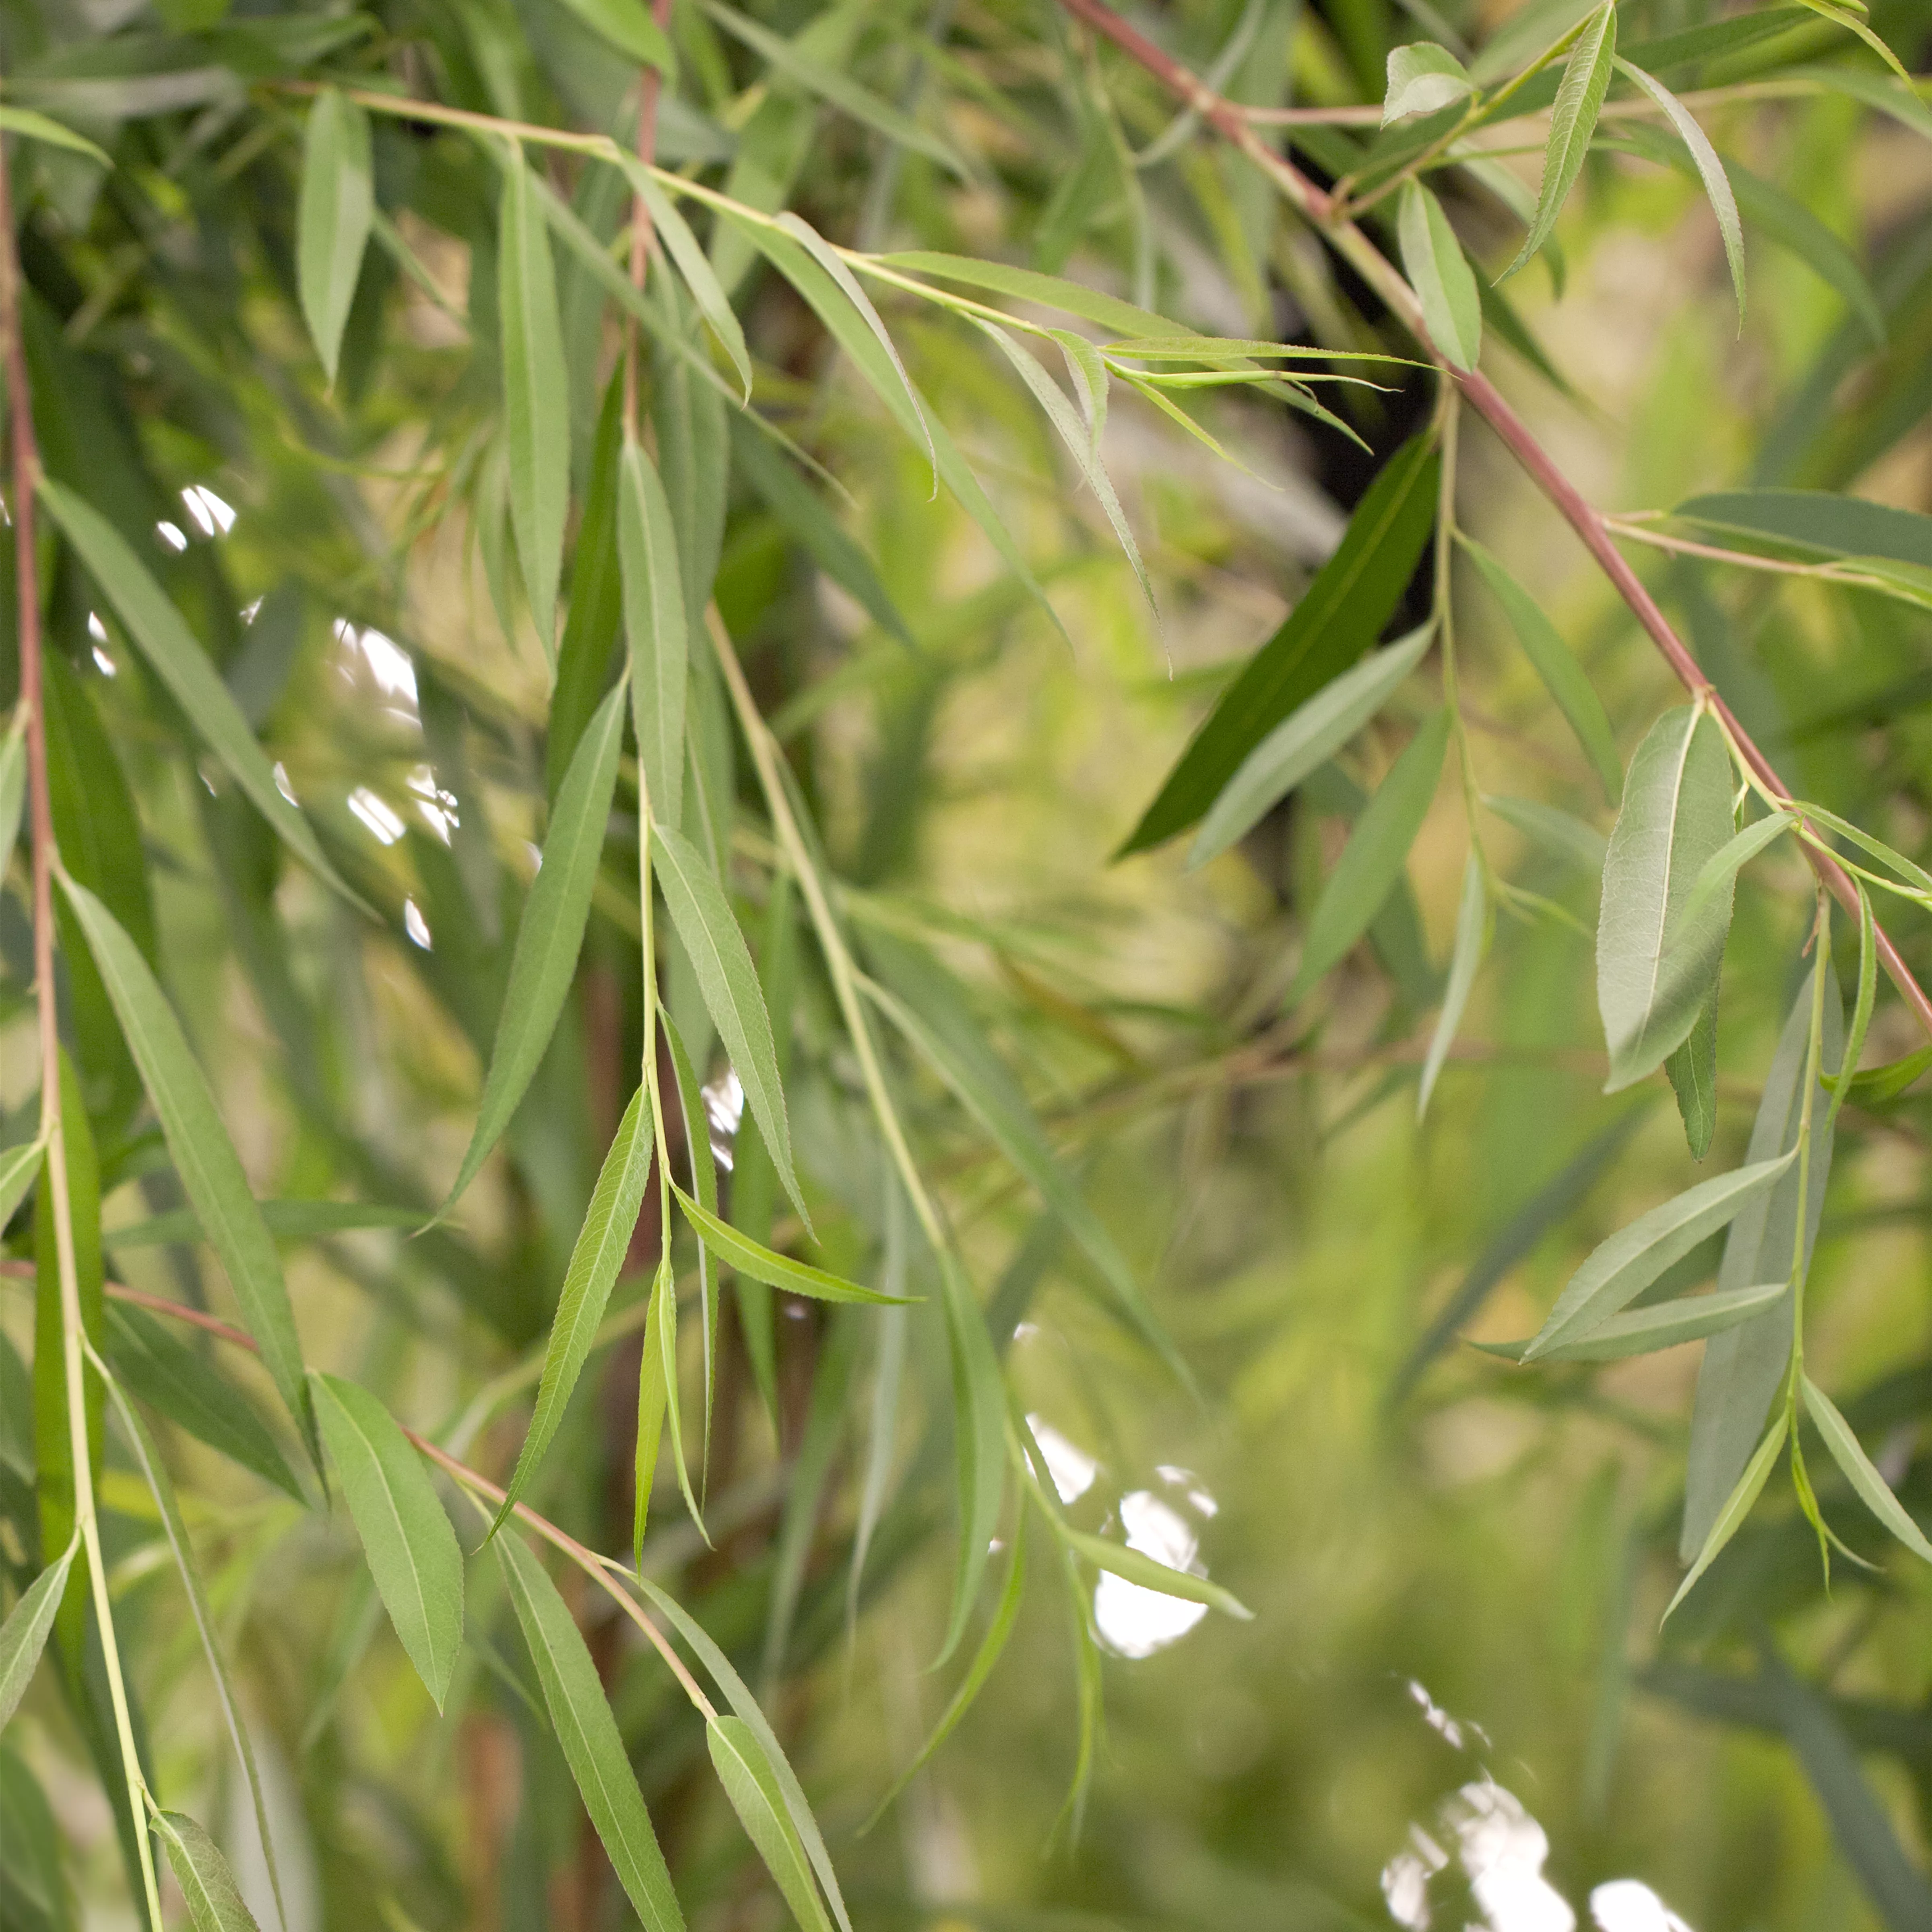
{"x": 106, "y": 665}
{"x": 96, "y": 629}
{"x": 170, "y": 534}
{"x": 1503, "y": 1850}
{"x": 208, "y": 510}
{"x": 249, "y": 611}
{"x": 389, "y": 665}
{"x": 436, "y": 806}
{"x": 1199, "y": 1496}
{"x": 438, "y": 820}
{"x": 1025, "y": 1331}
{"x": 1439, "y": 1721}
{"x": 1134, "y": 1620}
{"x": 536, "y": 856}
{"x": 1071, "y": 1468}
{"x": 1629, "y": 1905}
{"x": 282, "y": 785}
{"x": 724, "y": 1101}
{"x": 375, "y": 815}
{"x": 415, "y": 925}
{"x": 1405, "y": 1880}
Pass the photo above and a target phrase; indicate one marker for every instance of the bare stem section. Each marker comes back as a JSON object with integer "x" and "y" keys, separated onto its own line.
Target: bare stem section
{"x": 26, "y": 472}
{"x": 1319, "y": 209}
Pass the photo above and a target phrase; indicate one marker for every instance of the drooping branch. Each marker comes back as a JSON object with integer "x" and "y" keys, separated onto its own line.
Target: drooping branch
{"x": 1348, "y": 240}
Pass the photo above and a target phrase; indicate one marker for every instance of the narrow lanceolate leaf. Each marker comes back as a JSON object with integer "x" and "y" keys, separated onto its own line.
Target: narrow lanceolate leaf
{"x": 1737, "y": 1507}
{"x": 1655, "y": 970}
{"x": 24, "y": 1635}
{"x": 761, "y": 1263}
{"x": 726, "y": 977}
{"x": 1340, "y": 615}
{"x": 13, "y": 789}
{"x": 1377, "y": 850}
{"x": 203, "y": 1155}
{"x": 1710, "y": 171}
{"x": 288, "y": 1221}
{"x": 173, "y": 655}
{"x": 536, "y": 393}
{"x": 1307, "y": 738}
{"x": 740, "y": 1760}
{"x": 628, "y": 25}
{"x": 1472, "y": 938}
{"x": 1878, "y": 1084}
{"x": 1562, "y": 676}
{"x": 1692, "y": 1070}
{"x": 1555, "y": 830}
{"x": 551, "y": 932}
{"x": 655, "y": 628}
{"x": 1422, "y": 78}
{"x": 192, "y": 1393}
{"x": 19, "y": 1168}
{"x": 1744, "y": 1369}
{"x": 657, "y": 1377}
{"x": 215, "y": 1902}
{"x": 991, "y": 1647}
{"x": 1573, "y": 121}
{"x": 1642, "y": 1331}
{"x": 1873, "y": 1491}
{"x": 693, "y": 264}
{"x": 979, "y": 1443}
{"x": 1440, "y": 274}
{"x": 412, "y": 1552}
{"x": 1621, "y": 1268}
{"x": 1787, "y": 221}
{"x": 1151, "y": 1574}
{"x": 1814, "y": 524}
{"x": 1714, "y": 877}
{"x": 595, "y": 1261}
{"x": 702, "y": 1166}
{"x": 1861, "y": 1009}
{"x": 1083, "y": 445}
{"x": 338, "y": 205}
{"x": 592, "y": 1746}
{"x": 32, "y": 127}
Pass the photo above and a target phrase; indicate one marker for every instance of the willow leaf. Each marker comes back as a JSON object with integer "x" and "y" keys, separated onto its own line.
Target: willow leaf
{"x": 1562, "y": 676}
{"x": 1737, "y": 1506}
{"x": 214, "y": 1901}
{"x": 204, "y": 1156}
{"x": 1376, "y": 854}
{"x": 1873, "y": 1491}
{"x": 592, "y": 1746}
{"x": 287, "y": 1221}
{"x": 655, "y": 628}
{"x": 1029, "y": 285}
{"x": 657, "y": 1377}
{"x": 703, "y": 1166}
{"x": 595, "y": 1261}
{"x": 13, "y": 789}
{"x": 1710, "y": 171}
{"x": 979, "y": 1443}
{"x": 536, "y": 400}
{"x": 24, "y": 1635}
{"x": 743, "y": 1768}
{"x": 550, "y": 934}
{"x": 1153, "y": 1575}
{"x": 1655, "y": 970}
{"x": 693, "y": 264}
{"x": 1814, "y": 524}
{"x": 1472, "y": 939}
{"x": 1555, "y": 830}
{"x": 32, "y": 126}
{"x": 710, "y": 934}
{"x": 1663, "y": 1324}
{"x": 171, "y": 653}
{"x": 1423, "y": 78}
{"x": 332, "y": 223}
{"x": 762, "y": 1264}
{"x": 628, "y": 25}
{"x": 1621, "y": 1268}
{"x": 1692, "y": 1071}
{"x": 19, "y": 1168}
{"x": 1440, "y": 274}
{"x": 1306, "y": 739}
{"x": 412, "y": 1552}
{"x": 1586, "y": 80}
{"x": 1714, "y": 876}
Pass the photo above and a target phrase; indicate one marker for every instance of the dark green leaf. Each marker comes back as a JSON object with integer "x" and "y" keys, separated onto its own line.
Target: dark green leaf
{"x": 655, "y": 627}
{"x": 412, "y": 1552}
{"x": 1692, "y": 1070}
{"x": 761, "y": 1263}
{"x": 1573, "y": 121}
{"x": 628, "y": 25}
{"x": 1340, "y": 615}
{"x": 24, "y": 1635}
{"x": 338, "y": 204}
{"x": 1815, "y": 524}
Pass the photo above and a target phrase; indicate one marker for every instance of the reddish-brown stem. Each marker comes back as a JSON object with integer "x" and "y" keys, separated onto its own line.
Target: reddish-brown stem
{"x": 1354, "y": 247}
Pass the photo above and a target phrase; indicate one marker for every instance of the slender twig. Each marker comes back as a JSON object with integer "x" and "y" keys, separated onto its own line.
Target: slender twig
{"x": 26, "y": 473}
{"x": 1318, "y": 209}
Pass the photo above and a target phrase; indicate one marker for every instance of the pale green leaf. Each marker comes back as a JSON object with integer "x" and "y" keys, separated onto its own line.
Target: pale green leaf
{"x": 24, "y": 1635}
{"x": 288, "y": 1221}
{"x": 12, "y": 790}
{"x": 1472, "y": 938}
{"x": 740, "y": 1759}
{"x": 1715, "y": 875}
{"x": 1422, "y": 77}
{"x": 1663, "y": 1324}
{"x": 655, "y": 628}
{"x": 1861, "y": 1012}
{"x": 710, "y": 936}
{"x": 595, "y": 1261}
{"x": 1557, "y": 831}
{"x": 1737, "y": 1506}
{"x": 693, "y": 264}
{"x": 1573, "y": 121}
{"x": 1376, "y": 854}
{"x": 1029, "y": 285}
{"x": 412, "y": 1550}
{"x": 1621, "y": 1268}
{"x": 1873, "y": 1491}
{"x": 979, "y": 1443}
{"x": 19, "y": 1168}
{"x": 1710, "y": 171}
{"x": 1440, "y": 274}
{"x": 1915, "y": 876}
{"x": 32, "y": 126}
{"x": 1308, "y": 737}
{"x": 628, "y": 25}
{"x": 1654, "y": 973}
{"x": 593, "y": 1745}
{"x": 172, "y": 654}
{"x": 332, "y": 224}
{"x": 762, "y": 1264}
{"x": 536, "y": 393}
{"x": 551, "y": 932}
{"x": 703, "y": 1166}
{"x": 204, "y": 1156}
{"x": 215, "y": 1902}
{"x": 1153, "y": 1575}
